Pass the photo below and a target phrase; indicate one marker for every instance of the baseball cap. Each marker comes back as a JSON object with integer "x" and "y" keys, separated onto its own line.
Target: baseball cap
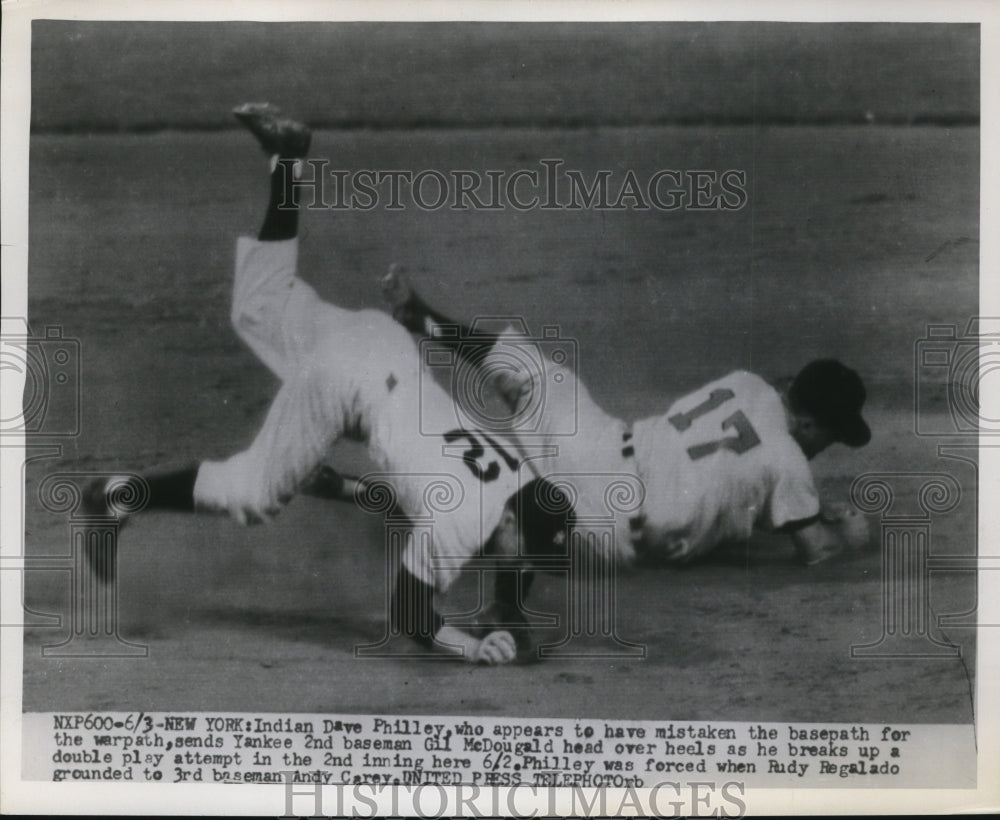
{"x": 833, "y": 394}
{"x": 544, "y": 512}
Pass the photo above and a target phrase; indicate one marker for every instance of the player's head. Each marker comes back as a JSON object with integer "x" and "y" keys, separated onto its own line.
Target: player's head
{"x": 534, "y": 522}
{"x": 825, "y": 399}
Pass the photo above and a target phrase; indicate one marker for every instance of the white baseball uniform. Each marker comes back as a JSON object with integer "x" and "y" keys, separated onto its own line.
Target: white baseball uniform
{"x": 351, "y": 374}
{"x": 553, "y": 401}
{"x": 720, "y": 461}
{"x": 717, "y": 463}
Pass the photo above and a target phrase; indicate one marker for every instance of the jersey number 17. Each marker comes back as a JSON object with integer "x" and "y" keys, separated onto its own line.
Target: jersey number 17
{"x": 746, "y": 437}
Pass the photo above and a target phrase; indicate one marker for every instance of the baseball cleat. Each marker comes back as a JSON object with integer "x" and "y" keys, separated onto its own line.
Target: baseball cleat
{"x": 405, "y": 306}
{"x": 275, "y": 133}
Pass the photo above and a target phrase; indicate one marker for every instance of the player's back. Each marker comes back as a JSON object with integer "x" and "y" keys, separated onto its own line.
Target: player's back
{"x": 718, "y": 462}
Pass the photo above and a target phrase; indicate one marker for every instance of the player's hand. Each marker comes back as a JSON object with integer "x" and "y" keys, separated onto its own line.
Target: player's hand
{"x": 495, "y": 649}
{"x": 851, "y": 527}
{"x": 832, "y": 512}
{"x": 853, "y": 530}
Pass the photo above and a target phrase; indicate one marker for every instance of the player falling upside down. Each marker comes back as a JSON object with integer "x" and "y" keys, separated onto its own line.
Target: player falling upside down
{"x": 721, "y": 461}
{"x": 355, "y": 374}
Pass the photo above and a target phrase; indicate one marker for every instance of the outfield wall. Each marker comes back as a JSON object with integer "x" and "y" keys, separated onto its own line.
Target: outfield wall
{"x": 100, "y": 76}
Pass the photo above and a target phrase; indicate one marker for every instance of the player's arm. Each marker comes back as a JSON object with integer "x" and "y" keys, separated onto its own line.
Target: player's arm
{"x": 837, "y": 528}
{"x": 413, "y": 613}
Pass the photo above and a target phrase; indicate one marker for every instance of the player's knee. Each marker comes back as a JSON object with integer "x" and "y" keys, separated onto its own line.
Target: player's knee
{"x": 262, "y": 312}
{"x": 241, "y": 320}
{"x": 390, "y": 341}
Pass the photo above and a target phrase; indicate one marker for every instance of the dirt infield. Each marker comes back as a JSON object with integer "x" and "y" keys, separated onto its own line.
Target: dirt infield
{"x": 856, "y": 238}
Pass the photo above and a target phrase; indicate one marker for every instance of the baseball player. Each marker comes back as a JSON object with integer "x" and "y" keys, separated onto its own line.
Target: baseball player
{"x": 355, "y": 374}
{"x": 724, "y": 459}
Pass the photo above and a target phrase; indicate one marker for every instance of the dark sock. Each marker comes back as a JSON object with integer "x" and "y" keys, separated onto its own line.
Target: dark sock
{"x": 326, "y": 483}
{"x": 414, "y": 312}
{"x": 471, "y": 346}
{"x": 173, "y": 490}
{"x": 438, "y": 318}
{"x": 282, "y": 218}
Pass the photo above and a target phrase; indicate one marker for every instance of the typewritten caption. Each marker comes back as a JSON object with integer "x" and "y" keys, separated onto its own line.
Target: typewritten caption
{"x": 366, "y": 749}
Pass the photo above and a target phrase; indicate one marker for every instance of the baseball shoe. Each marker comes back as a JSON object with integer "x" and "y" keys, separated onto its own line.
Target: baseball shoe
{"x": 404, "y": 304}
{"x": 103, "y": 563}
{"x": 275, "y": 133}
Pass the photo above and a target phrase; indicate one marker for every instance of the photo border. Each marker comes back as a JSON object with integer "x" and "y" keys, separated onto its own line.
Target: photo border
{"x": 15, "y": 89}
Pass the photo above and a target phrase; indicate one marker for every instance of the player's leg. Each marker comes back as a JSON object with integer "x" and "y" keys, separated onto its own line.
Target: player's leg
{"x": 303, "y": 422}
{"x": 167, "y": 490}
{"x": 308, "y": 415}
{"x": 259, "y": 277}
{"x": 412, "y": 312}
{"x": 512, "y": 380}
{"x": 509, "y": 361}
{"x": 164, "y": 490}
{"x": 272, "y": 306}
{"x": 409, "y": 308}
{"x": 550, "y": 405}
{"x": 305, "y": 419}
{"x": 471, "y": 346}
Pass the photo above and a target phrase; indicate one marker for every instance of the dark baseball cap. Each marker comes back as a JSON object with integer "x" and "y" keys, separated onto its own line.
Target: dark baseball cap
{"x": 544, "y": 513}
{"x": 833, "y": 394}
